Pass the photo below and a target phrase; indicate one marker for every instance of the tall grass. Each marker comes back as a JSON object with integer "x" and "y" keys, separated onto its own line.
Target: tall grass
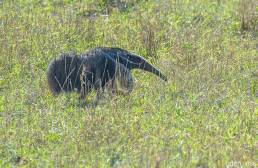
{"x": 204, "y": 116}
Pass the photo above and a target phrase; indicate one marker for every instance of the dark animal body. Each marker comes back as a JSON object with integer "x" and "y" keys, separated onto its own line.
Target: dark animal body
{"x": 63, "y": 73}
{"x": 95, "y": 69}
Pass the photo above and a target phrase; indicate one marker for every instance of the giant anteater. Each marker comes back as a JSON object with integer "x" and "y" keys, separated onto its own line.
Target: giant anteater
{"x": 96, "y": 69}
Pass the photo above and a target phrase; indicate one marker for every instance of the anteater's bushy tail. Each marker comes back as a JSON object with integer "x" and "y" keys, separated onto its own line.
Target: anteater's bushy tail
{"x": 63, "y": 73}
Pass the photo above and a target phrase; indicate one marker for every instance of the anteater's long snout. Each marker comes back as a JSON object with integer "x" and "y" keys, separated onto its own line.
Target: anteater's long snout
{"x": 140, "y": 63}
{"x": 148, "y": 67}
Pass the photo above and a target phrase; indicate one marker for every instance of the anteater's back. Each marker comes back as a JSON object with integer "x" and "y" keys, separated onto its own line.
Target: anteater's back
{"x": 63, "y": 73}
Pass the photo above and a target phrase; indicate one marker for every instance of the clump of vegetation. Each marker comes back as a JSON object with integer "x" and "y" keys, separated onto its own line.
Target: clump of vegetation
{"x": 248, "y": 15}
{"x": 204, "y": 116}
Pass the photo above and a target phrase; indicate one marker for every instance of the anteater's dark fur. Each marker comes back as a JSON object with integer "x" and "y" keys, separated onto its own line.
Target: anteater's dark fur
{"x": 63, "y": 73}
{"x": 94, "y": 69}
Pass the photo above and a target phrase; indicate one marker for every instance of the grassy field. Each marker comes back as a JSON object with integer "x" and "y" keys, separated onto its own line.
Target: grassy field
{"x": 206, "y": 115}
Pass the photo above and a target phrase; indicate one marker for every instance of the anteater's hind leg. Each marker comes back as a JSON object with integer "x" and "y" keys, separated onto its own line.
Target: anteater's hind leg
{"x": 86, "y": 84}
{"x": 98, "y": 87}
